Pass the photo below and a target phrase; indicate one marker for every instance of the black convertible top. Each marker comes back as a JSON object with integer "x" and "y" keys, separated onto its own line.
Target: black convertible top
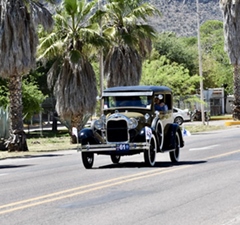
{"x": 138, "y": 89}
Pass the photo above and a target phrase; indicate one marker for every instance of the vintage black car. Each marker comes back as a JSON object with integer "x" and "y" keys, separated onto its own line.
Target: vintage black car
{"x": 130, "y": 125}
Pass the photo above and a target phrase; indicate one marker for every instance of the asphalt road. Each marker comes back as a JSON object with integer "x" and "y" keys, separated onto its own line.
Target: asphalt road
{"x": 56, "y": 189}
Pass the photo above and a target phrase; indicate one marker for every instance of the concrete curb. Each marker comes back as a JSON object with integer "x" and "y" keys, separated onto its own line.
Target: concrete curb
{"x": 232, "y": 123}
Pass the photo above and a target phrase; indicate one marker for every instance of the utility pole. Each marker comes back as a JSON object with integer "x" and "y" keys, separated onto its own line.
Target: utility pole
{"x": 101, "y": 63}
{"x": 200, "y": 65}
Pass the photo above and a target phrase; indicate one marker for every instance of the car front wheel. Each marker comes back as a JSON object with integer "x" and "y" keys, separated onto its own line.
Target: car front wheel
{"x": 87, "y": 159}
{"x": 150, "y": 154}
{"x": 174, "y": 155}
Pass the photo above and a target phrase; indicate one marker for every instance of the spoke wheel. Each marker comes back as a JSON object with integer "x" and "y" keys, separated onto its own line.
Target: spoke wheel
{"x": 150, "y": 154}
{"x": 115, "y": 158}
{"x": 174, "y": 155}
{"x": 87, "y": 159}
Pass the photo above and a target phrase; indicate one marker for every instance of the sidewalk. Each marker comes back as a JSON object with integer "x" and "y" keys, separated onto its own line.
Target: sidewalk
{"x": 214, "y": 122}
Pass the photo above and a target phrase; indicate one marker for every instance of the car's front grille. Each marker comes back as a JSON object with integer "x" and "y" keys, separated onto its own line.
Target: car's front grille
{"x": 117, "y": 131}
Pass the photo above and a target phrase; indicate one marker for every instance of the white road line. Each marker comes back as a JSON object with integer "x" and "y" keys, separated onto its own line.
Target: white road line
{"x": 3, "y": 174}
{"x": 203, "y": 148}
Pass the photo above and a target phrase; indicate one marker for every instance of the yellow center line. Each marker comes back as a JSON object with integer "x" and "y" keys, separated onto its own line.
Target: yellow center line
{"x": 95, "y": 186}
{"x": 157, "y": 172}
{"x": 77, "y": 188}
{"x": 222, "y": 155}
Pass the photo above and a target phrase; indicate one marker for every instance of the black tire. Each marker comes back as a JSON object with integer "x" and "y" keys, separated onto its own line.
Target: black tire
{"x": 159, "y": 135}
{"x": 178, "y": 120}
{"x": 174, "y": 155}
{"x": 115, "y": 158}
{"x": 87, "y": 159}
{"x": 150, "y": 154}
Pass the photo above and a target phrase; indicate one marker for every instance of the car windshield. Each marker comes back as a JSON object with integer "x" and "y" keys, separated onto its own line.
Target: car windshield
{"x": 127, "y": 101}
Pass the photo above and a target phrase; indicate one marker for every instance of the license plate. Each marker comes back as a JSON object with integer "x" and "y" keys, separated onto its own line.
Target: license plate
{"x": 122, "y": 147}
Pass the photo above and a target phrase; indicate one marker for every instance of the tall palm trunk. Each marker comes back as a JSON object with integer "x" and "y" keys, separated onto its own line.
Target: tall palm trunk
{"x": 231, "y": 21}
{"x": 236, "y": 93}
{"x": 76, "y": 122}
{"x": 17, "y": 140}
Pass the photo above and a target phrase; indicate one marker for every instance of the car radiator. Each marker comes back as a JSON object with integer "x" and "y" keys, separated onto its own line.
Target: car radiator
{"x": 117, "y": 131}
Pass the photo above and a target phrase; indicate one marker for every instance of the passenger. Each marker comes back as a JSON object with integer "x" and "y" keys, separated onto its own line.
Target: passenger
{"x": 159, "y": 105}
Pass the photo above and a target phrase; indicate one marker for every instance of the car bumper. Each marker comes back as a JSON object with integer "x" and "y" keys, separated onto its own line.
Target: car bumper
{"x": 117, "y": 147}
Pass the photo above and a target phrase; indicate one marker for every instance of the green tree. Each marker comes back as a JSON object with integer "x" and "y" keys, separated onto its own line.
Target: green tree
{"x": 216, "y": 68}
{"x": 4, "y": 98}
{"x": 32, "y": 97}
{"x": 18, "y": 43}
{"x": 182, "y": 51}
{"x": 72, "y": 44}
{"x": 162, "y": 71}
{"x": 231, "y": 20}
{"x": 126, "y": 24}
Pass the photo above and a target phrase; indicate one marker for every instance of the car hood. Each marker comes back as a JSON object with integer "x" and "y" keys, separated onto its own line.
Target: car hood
{"x": 140, "y": 117}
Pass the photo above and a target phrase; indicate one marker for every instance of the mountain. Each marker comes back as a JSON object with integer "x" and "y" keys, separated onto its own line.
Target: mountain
{"x": 180, "y": 16}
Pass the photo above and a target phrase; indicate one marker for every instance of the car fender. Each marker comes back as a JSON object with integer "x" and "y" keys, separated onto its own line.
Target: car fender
{"x": 86, "y": 136}
{"x": 169, "y": 136}
{"x": 141, "y": 137}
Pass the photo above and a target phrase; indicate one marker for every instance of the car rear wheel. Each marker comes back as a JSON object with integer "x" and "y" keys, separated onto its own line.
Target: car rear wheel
{"x": 87, "y": 159}
{"x": 178, "y": 120}
{"x": 150, "y": 154}
{"x": 174, "y": 155}
{"x": 115, "y": 158}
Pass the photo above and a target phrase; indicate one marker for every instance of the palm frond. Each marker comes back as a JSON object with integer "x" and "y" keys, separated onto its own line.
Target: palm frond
{"x": 70, "y": 6}
{"x": 62, "y": 21}
{"x": 52, "y": 51}
{"x": 91, "y": 35}
{"x": 41, "y": 15}
{"x": 144, "y": 11}
{"x": 71, "y": 88}
{"x": 52, "y": 74}
{"x": 85, "y": 12}
{"x": 88, "y": 8}
{"x": 123, "y": 66}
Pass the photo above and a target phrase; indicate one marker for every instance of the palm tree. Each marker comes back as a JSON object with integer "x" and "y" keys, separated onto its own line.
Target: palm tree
{"x": 125, "y": 22}
{"x": 72, "y": 43}
{"x": 231, "y": 20}
{"x": 18, "y": 43}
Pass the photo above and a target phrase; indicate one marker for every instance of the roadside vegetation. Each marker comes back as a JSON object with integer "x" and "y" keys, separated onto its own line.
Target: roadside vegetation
{"x": 42, "y": 143}
{"x": 203, "y": 128}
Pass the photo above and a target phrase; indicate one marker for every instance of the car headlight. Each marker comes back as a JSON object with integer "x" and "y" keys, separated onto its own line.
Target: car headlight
{"x": 132, "y": 123}
{"x": 98, "y": 124}
{"x": 147, "y": 116}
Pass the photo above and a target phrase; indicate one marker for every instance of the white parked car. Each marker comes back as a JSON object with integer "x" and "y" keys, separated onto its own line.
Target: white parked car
{"x": 180, "y": 116}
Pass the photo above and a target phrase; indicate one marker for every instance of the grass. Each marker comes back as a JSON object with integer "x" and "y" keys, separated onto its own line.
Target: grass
{"x": 203, "y": 128}
{"x": 48, "y": 142}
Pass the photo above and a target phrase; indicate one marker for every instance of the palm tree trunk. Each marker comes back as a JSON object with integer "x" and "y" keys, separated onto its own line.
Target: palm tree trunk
{"x": 76, "y": 121}
{"x": 17, "y": 140}
{"x": 236, "y": 92}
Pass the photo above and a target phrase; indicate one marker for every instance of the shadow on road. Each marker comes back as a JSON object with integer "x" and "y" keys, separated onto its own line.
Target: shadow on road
{"x": 143, "y": 165}
{"x": 42, "y": 156}
{"x": 13, "y": 166}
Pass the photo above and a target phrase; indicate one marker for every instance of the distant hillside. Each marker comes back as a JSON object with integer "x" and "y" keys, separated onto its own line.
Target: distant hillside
{"x": 180, "y": 16}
